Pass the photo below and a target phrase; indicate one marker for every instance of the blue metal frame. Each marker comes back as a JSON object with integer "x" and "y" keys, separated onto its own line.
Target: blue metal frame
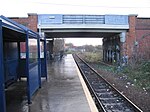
{"x": 20, "y": 28}
{"x": 29, "y": 85}
{"x": 31, "y": 88}
{"x": 39, "y": 62}
{"x": 27, "y": 67}
{"x": 18, "y": 43}
{"x": 33, "y": 34}
{"x": 13, "y": 28}
{"x": 2, "y": 91}
{"x": 43, "y": 62}
{"x": 45, "y": 57}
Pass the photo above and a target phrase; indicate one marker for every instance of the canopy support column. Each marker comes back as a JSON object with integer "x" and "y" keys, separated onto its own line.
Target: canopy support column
{"x": 45, "y": 57}
{"x": 27, "y": 68}
{"x": 2, "y": 82}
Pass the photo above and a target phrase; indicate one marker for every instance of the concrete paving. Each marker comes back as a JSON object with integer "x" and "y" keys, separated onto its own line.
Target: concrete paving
{"x": 62, "y": 92}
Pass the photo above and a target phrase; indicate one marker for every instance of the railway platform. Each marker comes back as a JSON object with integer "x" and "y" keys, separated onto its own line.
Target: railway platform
{"x": 64, "y": 91}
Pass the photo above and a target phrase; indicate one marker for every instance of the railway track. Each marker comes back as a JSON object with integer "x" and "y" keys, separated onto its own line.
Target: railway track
{"x": 106, "y": 97}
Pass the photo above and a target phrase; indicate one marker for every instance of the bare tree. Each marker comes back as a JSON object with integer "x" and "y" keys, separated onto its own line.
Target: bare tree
{"x": 58, "y": 45}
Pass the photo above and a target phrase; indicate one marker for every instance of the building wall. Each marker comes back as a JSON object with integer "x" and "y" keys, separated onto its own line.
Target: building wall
{"x": 128, "y": 46}
{"x": 30, "y": 22}
{"x": 137, "y": 45}
{"x": 143, "y": 38}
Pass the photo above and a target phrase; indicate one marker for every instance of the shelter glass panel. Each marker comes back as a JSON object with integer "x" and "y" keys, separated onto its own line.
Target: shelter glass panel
{"x": 33, "y": 66}
{"x": 41, "y": 49}
{"x": 33, "y": 50}
{"x": 23, "y": 50}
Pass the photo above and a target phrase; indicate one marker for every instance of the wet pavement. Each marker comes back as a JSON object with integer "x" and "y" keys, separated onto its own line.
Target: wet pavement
{"x": 62, "y": 92}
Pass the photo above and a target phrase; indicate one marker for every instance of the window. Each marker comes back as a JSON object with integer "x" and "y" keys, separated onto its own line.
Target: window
{"x": 22, "y": 50}
{"x": 33, "y": 50}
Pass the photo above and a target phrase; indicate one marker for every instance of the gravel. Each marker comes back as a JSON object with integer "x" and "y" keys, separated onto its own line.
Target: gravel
{"x": 139, "y": 96}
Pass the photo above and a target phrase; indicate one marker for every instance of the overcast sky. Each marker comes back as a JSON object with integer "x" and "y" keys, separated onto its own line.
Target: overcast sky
{"x": 84, "y": 41}
{"x": 20, "y": 8}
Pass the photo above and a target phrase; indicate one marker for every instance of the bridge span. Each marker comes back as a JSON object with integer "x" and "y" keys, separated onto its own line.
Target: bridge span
{"x": 63, "y": 26}
{"x": 112, "y": 28}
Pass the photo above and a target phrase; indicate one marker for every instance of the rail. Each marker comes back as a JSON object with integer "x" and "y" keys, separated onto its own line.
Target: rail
{"x": 107, "y": 97}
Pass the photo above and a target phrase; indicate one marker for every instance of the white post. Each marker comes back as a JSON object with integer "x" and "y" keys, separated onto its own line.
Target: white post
{"x": 122, "y": 37}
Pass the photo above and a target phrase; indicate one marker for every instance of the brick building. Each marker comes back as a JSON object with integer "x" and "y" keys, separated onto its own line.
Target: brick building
{"x": 30, "y": 22}
{"x": 138, "y": 38}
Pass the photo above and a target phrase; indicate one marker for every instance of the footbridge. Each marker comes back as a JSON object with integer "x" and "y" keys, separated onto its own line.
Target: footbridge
{"x": 112, "y": 28}
{"x": 63, "y": 26}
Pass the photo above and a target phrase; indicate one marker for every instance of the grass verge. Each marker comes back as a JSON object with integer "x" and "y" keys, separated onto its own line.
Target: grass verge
{"x": 139, "y": 74}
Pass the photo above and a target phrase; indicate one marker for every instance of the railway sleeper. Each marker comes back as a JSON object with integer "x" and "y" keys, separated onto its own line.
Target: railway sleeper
{"x": 102, "y": 90}
{"x": 120, "y": 108}
{"x": 110, "y": 100}
{"x": 116, "y": 110}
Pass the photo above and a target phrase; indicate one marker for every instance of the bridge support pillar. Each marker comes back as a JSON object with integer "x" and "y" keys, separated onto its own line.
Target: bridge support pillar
{"x": 123, "y": 49}
{"x": 112, "y": 48}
